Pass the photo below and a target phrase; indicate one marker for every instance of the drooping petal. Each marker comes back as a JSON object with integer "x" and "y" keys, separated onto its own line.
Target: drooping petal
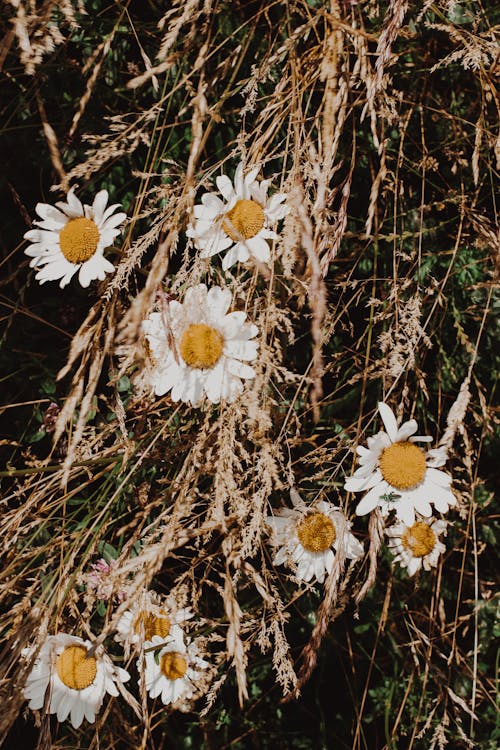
{"x": 370, "y": 501}
{"x": 238, "y": 253}
{"x": 259, "y": 249}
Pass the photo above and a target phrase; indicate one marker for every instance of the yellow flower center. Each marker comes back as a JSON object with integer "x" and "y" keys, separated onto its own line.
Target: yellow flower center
{"x": 148, "y": 625}
{"x": 316, "y": 532}
{"x": 244, "y": 220}
{"x": 403, "y": 465}
{"x": 78, "y": 239}
{"x": 75, "y": 669}
{"x": 173, "y": 665}
{"x": 201, "y": 346}
{"x": 419, "y": 539}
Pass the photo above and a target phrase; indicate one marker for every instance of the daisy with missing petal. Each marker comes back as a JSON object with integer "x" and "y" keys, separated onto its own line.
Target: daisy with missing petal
{"x": 72, "y": 237}
{"x": 240, "y": 222}
{"x": 417, "y": 546}
{"x": 70, "y": 682}
{"x": 399, "y": 475}
{"x": 198, "y": 348}
{"x": 172, "y": 668}
{"x": 308, "y": 536}
{"x": 149, "y": 616}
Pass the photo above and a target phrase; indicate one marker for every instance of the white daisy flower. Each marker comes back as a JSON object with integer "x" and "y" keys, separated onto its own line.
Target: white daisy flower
{"x": 417, "y": 546}
{"x": 240, "y": 223}
{"x": 400, "y": 475}
{"x": 147, "y": 617}
{"x": 307, "y": 536}
{"x": 72, "y": 237}
{"x": 76, "y": 683}
{"x": 198, "y": 348}
{"x": 172, "y": 667}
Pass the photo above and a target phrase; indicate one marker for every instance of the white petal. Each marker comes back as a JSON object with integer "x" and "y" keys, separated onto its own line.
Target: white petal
{"x": 238, "y": 253}
{"x": 77, "y": 713}
{"x": 62, "y": 705}
{"x": 406, "y": 430}
{"x": 46, "y": 211}
{"x": 110, "y": 209}
{"x": 225, "y": 186}
{"x": 231, "y": 324}
{"x": 414, "y": 565}
{"x": 215, "y": 242}
{"x": 361, "y": 483}
{"x": 114, "y": 221}
{"x": 217, "y": 303}
{"x": 99, "y": 205}
{"x": 438, "y": 477}
{"x": 213, "y": 203}
{"x": 162, "y": 380}
{"x": 443, "y": 499}
{"x": 405, "y": 511}
{"x": 259, "y": 249}
{"x": 239, "y": 369}
{"x": 251, "y": 175}
{"x": 238, "y": 349}
{"x": 94, "y": 268}
{"x": 422, "y": 505}
{"x": 389, "y": 420}
{"x": 90, "y": 711}
{"x": 371, "y": 499}
{"x": 59, "y": 269}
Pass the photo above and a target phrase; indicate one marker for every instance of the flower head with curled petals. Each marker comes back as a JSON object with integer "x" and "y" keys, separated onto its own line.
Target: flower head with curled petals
{"x": 172, "y": 668}
{"x": 397, "y": 475}
{"x": 417, "y": 546}
{"x": 239, "y": 223}
{"x": 149, "y": 615}
{"x": 307, "y": 537}
{"x": 72, "y": 237}
{"x": 70, "y": 681}
{"x": 197, "y": 348}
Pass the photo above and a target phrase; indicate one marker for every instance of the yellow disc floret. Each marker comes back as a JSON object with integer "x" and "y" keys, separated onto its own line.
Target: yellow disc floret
{"x": 244, "y": 220}
{"x": 201, "y": 346}
{"x": 173, "y": 665}
{"x": 419, "y": 539}
{"x": 78, "y": 239}
{"x": 147, "y": 625}
{"x": 403, "y": 465}
{"x": 316, "y": 532}
{"x": 75, "y": 669}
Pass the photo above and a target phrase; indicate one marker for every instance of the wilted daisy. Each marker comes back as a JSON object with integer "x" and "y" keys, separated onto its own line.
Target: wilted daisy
{"x": 307, "y": 535}
{"x": 417, "y": 546}
{"x": 149, "y": 616}
{"x": 198, "y": 348}
{"x": 72, "y": 237}
{"x": 400, "y": 475}
{"x": 172, "y": 668}
{"x": 240, "y": 223}
{"x": 73, "y": 683}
